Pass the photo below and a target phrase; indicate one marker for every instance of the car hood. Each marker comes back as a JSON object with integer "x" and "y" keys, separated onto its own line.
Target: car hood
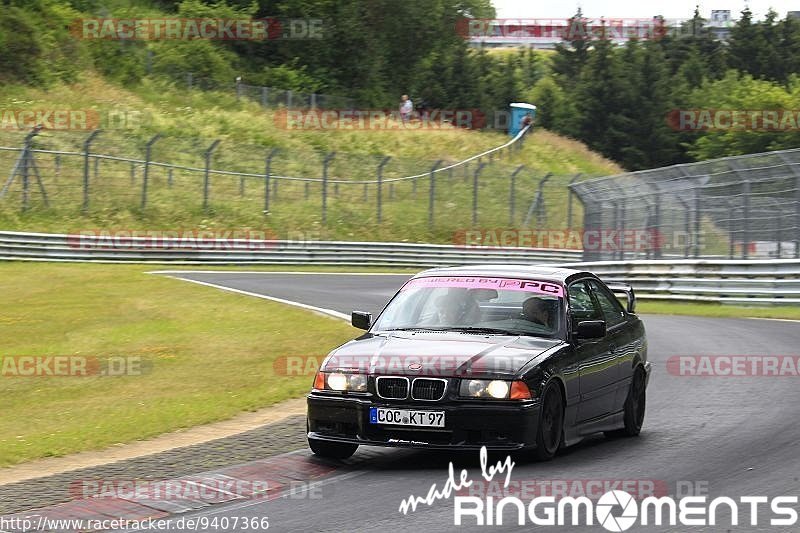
{"x": 441, "y": 354}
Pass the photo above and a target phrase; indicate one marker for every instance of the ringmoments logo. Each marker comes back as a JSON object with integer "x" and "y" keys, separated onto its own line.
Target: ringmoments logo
{"x": 616, "y": 510}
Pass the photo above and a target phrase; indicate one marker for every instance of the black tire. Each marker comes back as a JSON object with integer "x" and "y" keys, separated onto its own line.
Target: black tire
{"x": 550, "y": 430}
{"x": 635, "y": 405}
{"x": 332, "y": 450}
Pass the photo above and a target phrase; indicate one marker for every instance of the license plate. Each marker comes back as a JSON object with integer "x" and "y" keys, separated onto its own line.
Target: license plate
{"x": 406, "y": 417}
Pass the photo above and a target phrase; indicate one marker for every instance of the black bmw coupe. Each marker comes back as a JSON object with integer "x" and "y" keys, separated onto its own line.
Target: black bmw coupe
{"x": 506, "y": 357}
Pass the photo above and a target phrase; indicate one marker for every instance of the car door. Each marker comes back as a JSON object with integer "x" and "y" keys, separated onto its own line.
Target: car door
{"x": 622, "y": 338}
{"x": 597, "y": 366}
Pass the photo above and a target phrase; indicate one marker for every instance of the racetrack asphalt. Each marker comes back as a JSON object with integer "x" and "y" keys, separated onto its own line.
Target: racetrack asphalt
{"x": 724, "y": 436}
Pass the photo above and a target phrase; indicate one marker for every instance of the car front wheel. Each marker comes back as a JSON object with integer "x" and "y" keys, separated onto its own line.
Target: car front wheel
{"x": 551, "y": 424}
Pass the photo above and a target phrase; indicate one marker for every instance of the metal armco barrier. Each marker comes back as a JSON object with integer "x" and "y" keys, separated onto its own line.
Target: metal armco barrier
{"x": 755, "y": 282}
{"x": 75, "y": 248}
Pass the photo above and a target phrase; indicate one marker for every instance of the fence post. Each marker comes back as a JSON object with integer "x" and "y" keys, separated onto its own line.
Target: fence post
{"x": 746, "y": 219}
{"x": 538, "y": 204}
{"x": 622, "y": 227}
{"x": 475, "y": 181}
{"x": 512, "y": 196}
{"x": 686, "y": 225}
{"x": 58, "y": 165}
{"x": 264, "y": 96}
{"x": 697, "y": 215}
{"x": 380, "y": 187}
{"x": 778, "y": 226}
{"x": 432, "y": 193}
{"x": 657, "y": 223}
{"x": 86, "y": 145}
{"x": 189, "y": 80}
{"x": 24, "y": 164}
{"x": 325, "y": 164}
{"x": 797, "y": 217}
{"x": 313, "y": 100}
{"x": 147, "y": 152}
{"x": 207, "y": 174}
{"x": 267, "y": 176}
{"x": 288, "y": 99}
{"x": 570, "y": 194}
{"x": 238, "y": 87}
{"x": 731, "y": 211}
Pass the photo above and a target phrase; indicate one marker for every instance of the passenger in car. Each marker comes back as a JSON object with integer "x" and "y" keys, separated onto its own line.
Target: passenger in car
{"x": 457, "y": 307}
{"x": 539, "y": 311}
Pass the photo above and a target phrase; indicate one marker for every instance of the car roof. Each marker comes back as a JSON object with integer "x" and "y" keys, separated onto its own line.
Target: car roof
{"x": 540, "y": 272}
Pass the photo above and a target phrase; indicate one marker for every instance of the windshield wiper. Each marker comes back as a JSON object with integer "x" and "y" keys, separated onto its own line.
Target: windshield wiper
{"x": 415, "y": 328}
{"x": 496, "y": 331}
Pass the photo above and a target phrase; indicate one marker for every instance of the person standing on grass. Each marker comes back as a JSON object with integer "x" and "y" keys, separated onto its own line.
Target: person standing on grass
{"x": 527, "y": 120}
{"x": 406, "y": 107}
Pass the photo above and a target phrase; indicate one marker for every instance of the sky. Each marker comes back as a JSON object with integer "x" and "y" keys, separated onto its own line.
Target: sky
{"x": 635, "y": 8}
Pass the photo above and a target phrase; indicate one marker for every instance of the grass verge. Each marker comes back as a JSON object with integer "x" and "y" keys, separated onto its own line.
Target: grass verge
{"x": 206, "y": 355}
{"x": 717, "y": 310}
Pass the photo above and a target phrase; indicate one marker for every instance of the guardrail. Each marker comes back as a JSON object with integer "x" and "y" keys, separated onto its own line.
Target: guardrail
{"x": 757, "y": 282}
{"x": 97, "y": 249}
{"x": 774, "y": 281}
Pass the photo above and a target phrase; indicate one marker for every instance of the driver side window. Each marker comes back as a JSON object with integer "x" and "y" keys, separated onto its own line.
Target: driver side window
{"x": 581, "y": 304}
{"x": 612, "y": 309}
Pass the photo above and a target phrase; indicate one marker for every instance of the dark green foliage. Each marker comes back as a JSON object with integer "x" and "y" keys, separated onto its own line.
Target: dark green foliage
{"x": 615, "y": 98}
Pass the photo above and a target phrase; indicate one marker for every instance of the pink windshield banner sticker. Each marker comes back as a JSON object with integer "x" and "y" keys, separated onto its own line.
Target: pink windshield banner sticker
{"x": 507, "y": 284}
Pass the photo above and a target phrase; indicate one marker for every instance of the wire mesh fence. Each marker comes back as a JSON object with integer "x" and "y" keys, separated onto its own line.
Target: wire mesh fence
{"x": 745, "y": 206}
{"x": 268, "y": 97}
{"x": 165, "y": 180}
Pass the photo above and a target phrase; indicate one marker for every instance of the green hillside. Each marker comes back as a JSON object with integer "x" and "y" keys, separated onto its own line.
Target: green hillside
{"x": 191, "y": 120}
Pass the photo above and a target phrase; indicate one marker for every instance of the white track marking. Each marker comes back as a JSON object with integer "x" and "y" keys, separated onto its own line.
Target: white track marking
{"x": 776, "y": 319}
{"x": 328, "y": 312}
{"x": 282, "y": 272}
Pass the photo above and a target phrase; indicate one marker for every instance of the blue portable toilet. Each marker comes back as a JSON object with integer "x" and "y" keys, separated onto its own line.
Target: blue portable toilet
{"x": 518, "y": 112}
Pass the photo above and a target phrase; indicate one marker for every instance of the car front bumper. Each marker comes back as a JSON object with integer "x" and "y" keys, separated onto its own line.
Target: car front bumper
{"x": 468, "y": 425}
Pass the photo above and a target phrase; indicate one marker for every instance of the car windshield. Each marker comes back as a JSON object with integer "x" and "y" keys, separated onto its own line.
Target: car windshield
{"x": 486, "y": 305}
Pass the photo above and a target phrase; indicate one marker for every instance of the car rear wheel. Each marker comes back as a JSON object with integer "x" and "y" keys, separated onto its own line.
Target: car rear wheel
{"x": 635, "y": 405}
{"x": 332, "y": 450}
{"x": 551, "y": 424}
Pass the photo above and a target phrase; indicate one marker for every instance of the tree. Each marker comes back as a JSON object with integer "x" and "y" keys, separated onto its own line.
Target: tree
{"x": 601, "y": 96}
{"x": 571, "y": 54}
{"x": 744, "y": 44}
{"x": 769, "y": 58}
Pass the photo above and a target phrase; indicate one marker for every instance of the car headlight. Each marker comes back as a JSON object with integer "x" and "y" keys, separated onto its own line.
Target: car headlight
{"x": 339, "y": 381}
{"x": 496, "y": 388}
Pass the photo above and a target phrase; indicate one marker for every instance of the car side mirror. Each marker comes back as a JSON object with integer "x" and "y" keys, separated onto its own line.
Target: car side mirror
{"x": 361, "y": 320}
{"x": 591, "y": 329}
